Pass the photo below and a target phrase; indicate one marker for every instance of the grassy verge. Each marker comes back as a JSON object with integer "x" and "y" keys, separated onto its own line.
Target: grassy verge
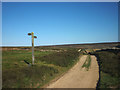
{"x": 48, "y": 65}
{"x": 87, "y": 63}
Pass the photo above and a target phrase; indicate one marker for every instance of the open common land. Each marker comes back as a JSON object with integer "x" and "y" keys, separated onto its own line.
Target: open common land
{"x": 48, "y": 64}
{"x": 52, "y": 62}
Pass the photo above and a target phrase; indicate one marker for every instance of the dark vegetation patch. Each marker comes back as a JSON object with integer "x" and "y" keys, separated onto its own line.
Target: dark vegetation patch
{"x": 108, "y": 81}
{"x": 62, "y": 59}
{"x": 109, "y": 61}
{"x": 27, "y": 76}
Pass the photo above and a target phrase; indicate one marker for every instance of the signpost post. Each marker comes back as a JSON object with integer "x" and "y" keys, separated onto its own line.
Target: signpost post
{"x": 32, "y": 46}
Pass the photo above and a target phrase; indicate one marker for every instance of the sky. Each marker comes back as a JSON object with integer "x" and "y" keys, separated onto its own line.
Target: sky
{"x": 56, "y": 23}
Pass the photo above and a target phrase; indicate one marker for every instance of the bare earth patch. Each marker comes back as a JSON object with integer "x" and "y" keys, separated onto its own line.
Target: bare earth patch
{"x": 78, "y": 77}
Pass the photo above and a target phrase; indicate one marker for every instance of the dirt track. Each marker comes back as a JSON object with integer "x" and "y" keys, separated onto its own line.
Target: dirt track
{"x": 78, "y": 77}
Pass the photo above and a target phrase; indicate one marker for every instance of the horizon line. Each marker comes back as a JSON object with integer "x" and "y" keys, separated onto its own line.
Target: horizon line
{"x": 67, "y": 44}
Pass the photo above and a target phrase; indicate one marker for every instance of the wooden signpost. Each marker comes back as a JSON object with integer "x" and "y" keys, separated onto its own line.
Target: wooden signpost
{"x": 32, "y": 45}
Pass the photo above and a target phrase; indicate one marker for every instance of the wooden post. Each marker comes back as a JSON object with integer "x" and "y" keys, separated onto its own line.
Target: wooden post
{"x": 32, "y": 48}
{"x": 32, "y": 45}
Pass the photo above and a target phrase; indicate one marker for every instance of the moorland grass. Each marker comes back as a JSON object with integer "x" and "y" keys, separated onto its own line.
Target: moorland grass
{"x": 48, "y": 65}
{"x": 109, "y": 61}
{"x": 62, "y": 59}
{"x": 15, "y": 58}
{"x": 27, "y": 77}
{"x": 107, "y": 81}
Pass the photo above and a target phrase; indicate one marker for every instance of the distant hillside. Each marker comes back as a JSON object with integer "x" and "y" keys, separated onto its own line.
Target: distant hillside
{"x": 82, "y": 46}
{"x": 90, "y": 46}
